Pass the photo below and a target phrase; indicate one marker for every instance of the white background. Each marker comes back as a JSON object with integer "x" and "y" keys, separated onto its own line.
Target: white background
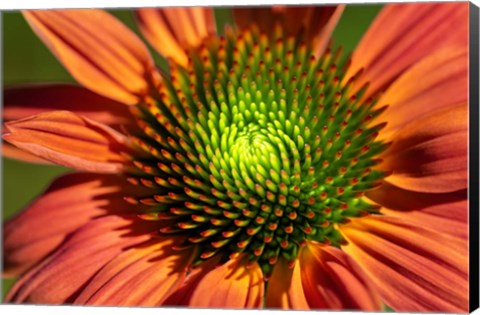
{"x": 63, "y": 310}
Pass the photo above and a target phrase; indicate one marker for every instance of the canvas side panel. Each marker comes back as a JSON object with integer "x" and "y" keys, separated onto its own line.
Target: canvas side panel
{"x": 474, "y": 157}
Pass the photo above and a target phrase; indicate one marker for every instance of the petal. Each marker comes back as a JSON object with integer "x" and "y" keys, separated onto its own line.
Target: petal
{"x": 70, "y": 140}
{"x": 24, "y": 101}
{"x": 173, "y": 30}
{"x": 231, "y": 285}
{"x": 340, "y": 285}
{"x": 438, "y": 81}
{"x": 414, "y": 269}
{"x": 12, "y": 152}
{"x": 141, "y": 276}
{"x": 99, "y": 51}
{"x": 316, "y": 23}
{"x": 446, "y": 213}
{"x": 70, "y": 202}
{"x": 62, "y": 275}
{"x": 448, "y": 218}
{"x": 403, "y": 34}
{"x": 323, "y": 278}
{"x": 285, "y": 288}
{"x": 430, "y": 153}
{"x": 399, "y": 199}
{"x": 183, "y": 294}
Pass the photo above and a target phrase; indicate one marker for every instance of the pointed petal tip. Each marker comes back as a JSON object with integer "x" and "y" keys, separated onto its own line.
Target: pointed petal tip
{"x": 100, "y": 58}
{"x": 70, "y": 140}
{"x": 171, "y": 31}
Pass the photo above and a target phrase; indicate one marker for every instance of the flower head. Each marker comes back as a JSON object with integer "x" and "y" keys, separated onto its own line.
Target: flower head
{"x": 262, "y": 169}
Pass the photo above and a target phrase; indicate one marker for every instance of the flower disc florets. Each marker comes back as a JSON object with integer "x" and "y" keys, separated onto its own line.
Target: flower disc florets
{"x": 258, "y": 146}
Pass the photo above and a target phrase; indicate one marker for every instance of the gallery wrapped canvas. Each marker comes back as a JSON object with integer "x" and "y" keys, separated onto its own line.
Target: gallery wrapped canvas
{"x": 278, "y": 157}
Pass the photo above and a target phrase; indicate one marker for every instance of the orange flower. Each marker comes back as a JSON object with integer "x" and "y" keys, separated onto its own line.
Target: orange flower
{"x": 261, "y": 171}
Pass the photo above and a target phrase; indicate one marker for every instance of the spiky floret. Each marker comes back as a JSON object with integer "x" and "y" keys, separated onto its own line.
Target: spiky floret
{"x": 257, "y": 147}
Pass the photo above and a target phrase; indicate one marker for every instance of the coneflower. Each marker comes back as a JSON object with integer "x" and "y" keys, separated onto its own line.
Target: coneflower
{"x": 263, "y": 169}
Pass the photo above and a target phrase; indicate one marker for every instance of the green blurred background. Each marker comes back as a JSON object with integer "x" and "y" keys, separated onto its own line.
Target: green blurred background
{"x": 26, "y": 60}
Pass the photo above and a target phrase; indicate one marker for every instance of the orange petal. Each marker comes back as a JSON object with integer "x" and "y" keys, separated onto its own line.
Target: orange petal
{"x": 438, "y": 81}
{"x": 448, "y": 218}
{"x": 98, "y": 50}
{"x": 141, "y": 276}
{"x": 70, "y": 140}
{"x": 183, "y": 294}
{"x": 60, "y": 277}
{"x": 323, "y": 278}
{"x": 430, "y": 153}
{"x": 285, "y": 288}
{"x": 414, "y": 269}
{"x": 395, "y": 198}
{"x": 71, "y": 201}
{"x": 340, "y": 285}
{"x": 172, "y": 30}
{"x": 24, "y": 101}
{"x": 316, "y": 23}
{"x": 446, "y": 212}
{"x": 231, "y": 285}
{"x": 403, "y": 34}
{"x": 12, "y": 152}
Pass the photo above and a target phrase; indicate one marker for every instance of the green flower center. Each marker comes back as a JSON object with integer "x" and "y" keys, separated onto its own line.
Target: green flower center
{"x": 257, "y": 147}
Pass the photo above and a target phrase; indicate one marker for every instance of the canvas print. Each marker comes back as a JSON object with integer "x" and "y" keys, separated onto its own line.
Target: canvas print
{"x": 278, "y": 157}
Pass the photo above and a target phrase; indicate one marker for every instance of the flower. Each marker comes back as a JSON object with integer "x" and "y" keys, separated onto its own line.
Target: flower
{"x": 260, "y": 156}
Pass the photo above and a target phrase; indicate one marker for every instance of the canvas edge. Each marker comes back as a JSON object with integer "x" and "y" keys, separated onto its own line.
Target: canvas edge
{"x": 474, "y": 158}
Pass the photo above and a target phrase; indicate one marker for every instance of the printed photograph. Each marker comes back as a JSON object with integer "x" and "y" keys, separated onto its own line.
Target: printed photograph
{"x": 251, "y": 157}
